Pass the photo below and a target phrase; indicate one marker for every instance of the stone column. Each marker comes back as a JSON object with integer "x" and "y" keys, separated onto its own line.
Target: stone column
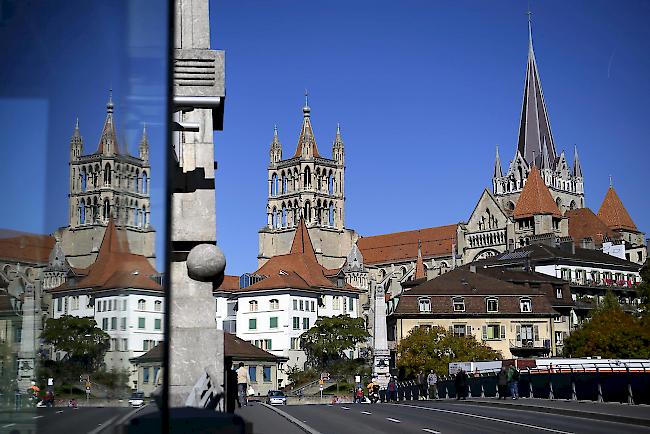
{"x": 381, "y": 354}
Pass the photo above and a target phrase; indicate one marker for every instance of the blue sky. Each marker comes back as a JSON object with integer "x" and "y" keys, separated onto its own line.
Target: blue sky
{"x": 424, "y": 90}
{"x": 64, "y": 57}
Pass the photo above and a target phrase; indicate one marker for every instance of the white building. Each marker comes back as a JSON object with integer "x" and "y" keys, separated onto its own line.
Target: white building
{"x": 119, "y": 291}
{"x": 283, "y": 299}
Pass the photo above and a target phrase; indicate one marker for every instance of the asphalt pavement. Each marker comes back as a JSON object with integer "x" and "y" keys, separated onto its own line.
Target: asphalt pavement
{"x": 445, "y": 418}
{"x": 60, "y": 420}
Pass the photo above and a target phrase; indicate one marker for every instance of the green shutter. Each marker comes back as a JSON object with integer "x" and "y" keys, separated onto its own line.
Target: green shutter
{"x": 484, "y": 332}
{"x": 252, "y": 324}
{"x": 273, "y": 322}
{"x": 141, "y": 323}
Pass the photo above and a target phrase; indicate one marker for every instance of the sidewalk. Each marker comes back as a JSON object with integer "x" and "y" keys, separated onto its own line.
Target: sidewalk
{"x": 614, "y": 412}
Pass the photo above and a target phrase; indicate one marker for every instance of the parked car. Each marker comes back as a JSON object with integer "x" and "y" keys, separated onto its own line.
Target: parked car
{"x": 276, "y": 397}
{"x": 137, "y": 399}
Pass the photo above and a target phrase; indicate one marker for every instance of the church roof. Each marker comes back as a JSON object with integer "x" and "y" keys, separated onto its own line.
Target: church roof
{"x": 403, "y": 246}
{"x": 306, "y": 134}
{"x": 534, "y": 125}
{"x": 116, "y": 267}
{"x": 535, "y": 198}
{"x": 108, "y": 138}
{"x": 25, "y": 247}
{"x": 299, "y": 269}
{"x": 419, "y": 264}
{"x": 613, "y": 213}
{"x": 583, "y": 223}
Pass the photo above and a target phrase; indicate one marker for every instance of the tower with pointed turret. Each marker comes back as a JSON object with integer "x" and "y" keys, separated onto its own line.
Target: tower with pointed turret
{"x": 308, "y": 186}
{"x": 536, "y": 147}
{"x": 107, "y": 183}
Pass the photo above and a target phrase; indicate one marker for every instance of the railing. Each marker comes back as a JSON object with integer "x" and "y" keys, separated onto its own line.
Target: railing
{"x": 487, "y": 238}
{"x": 530, "y": 344}
{"x": 606, "y": 284}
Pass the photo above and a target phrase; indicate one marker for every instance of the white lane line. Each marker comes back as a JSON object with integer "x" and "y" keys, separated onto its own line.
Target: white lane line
{"x": 393, "y": 420}
{"x": 60, "y": 411}
{"x": 8, "y": 425}
{"x": 478, "y": 416}
{"x": 432, "y": 431}
{"x": 366, "y": 412}
{"x": 38, "y": 417}
{"x": 345, "y": 408}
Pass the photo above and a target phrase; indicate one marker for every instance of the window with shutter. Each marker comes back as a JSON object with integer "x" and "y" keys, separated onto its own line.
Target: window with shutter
{"x": 469, "y": 330}
{"x": 484, "y": 333}
{"x": 503, "y": 332}
{"x": 536, "y": 332}
{"x": 518, "y": 332}
{"x": 451, "y": 329}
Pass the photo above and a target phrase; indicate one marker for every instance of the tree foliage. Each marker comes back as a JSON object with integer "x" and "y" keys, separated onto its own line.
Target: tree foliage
{"x": 83, "y": 342}
{"x": 610, "y": 333}
{"x": 326, "y": 341}
{"x": 644, "y": 288}
{"x": 434, "y": 348}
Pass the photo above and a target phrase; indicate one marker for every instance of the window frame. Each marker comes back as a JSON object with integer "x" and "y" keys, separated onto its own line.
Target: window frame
{"x": 458, "y": 301}
{"x": 422, "y": 301}
{"x": 522, "y": 302}
{"x": 487, "y": 304}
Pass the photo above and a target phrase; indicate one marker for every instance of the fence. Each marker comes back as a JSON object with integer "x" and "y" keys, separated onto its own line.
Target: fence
{"x": 601, "y": 385}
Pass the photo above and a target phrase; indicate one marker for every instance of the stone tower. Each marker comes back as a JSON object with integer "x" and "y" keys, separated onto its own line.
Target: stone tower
{"x": 310, "y": 186}
{"x": 107, "y": 183}
{"x": 536, "y": 147}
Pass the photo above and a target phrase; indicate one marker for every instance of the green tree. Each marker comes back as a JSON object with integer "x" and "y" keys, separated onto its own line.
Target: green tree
{"x": 434, "y": 348}
{"x": 610, "y": 333}
{"x": 326, "y": 341}
{"x": 83, "y": 342}
{"x": 644, "y": 288}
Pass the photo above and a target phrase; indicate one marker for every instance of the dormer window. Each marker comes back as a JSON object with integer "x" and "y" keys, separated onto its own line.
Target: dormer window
{"x": 458, "y": 304}
{"x": 252, "y": 306}
{"x": 492, "y": 305}
{"x": 424, "y": 304}
{"x": 339, "y": 282}
{"x": 142, "y": 304}
{"x": 558, "y": 292}
{"x": 274, "y": 304}
{"x": 525, "y": 305}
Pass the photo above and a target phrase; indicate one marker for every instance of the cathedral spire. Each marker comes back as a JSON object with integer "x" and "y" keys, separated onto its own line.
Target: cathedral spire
{"x": 497, "y": 165}
{"x": 108, "y": 140}
{"x": 534, "y": 125}
{"x": 577, "y": 169}
{"x": 76, "y": 142}
{"x": 338, "y": 148}
{"x": 306, "y": 148}
{"x": 144, "y": 144}
{"x": 276, "y": 147}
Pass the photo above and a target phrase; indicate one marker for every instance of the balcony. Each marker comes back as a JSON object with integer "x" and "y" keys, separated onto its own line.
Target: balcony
{"x": 487, "y": 238}
{"x": 530, "y": 347}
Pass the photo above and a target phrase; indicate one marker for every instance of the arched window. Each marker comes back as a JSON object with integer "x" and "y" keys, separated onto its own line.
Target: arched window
{"x": 274, "y": 218}
{"x": 284, "y": 216}
{"x": 96, "y": 176}
{"x": 142, "y": 304}
{"x": 106, "y": 211}
{"x": 573, "y": 204}
{"x": 331, "y": 214}
{"x": 274, "y": 185}
{"x": 136, "y": 219}
{"x": 95, "y": 212}
{"x": 145, "y": 182}
{"x": 84, "y": 177}
{"x": 138, "y": 187}
{"x": 107, "y": 175}
{"x": 82, "y": 212}
{"x": 330, "y": 184}
{"x": 307, "y": 178}
{"x": 157, "y": 305}
{"x": 144, "y": 216}
{"x": 252, "y": 306}
{"x": 307, "y": 215}
{"x": 295, "y": 213}
{"x": 424, "y": 304}
{"x": 318, "y": 212}
{"x": 284, "y": 183}
{"x": 274, "y": 304}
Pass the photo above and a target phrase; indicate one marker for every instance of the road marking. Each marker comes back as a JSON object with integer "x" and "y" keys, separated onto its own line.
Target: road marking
{"x": 366, "y": 412}
{"x": 8, "y": 425}
{"x": 477, "y": 416}
{"x": 37, "y": 417}
{"x": 60, "y": 411}
{"x": 345, "y": 408}
{"x": 393, "y": 420}
{"x": 432, "y": 431}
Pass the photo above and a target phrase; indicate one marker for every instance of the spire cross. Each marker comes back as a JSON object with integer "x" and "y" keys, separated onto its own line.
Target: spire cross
{"x": 611, "y": 183}
{"x": 530, "y": 27}
{"x": 306, "y": 98}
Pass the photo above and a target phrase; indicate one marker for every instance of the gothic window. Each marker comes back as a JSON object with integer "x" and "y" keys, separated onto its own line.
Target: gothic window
{"x": 145, "y": 182}
{"x": 107, "y": 175}
{"x": 284, "y": 216}
{"x": 106, "y": 211}
{"x": 284, "y": 183}
{"x": 331, "y": 214}
{"x": 307, "y": 215}
{"x": 95, "y": 211}
{"x": 274, "y": 218}
{"x": 274, "y": 185}
{"x": 96, "y": 176}
{"x": 330, "y": 184}
{"x": 144, "y": 216}
{"x": 138, "y": 187}
{"x": 83, "y": 176}
{"x": 295, "y": 213}
{"x": 573, "y": 204}
{"x": 307, "y": 178}
{"x": 318, "y": 180}
{"x": 82, "y": 212}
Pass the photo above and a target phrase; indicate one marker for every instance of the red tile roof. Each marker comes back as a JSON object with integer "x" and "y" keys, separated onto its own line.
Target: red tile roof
{"x": 25, "y": 247}
{"x": 116, "y": 267}
{"x": 230, "y": 283}
{"x": 613, "y": 213}
{"x": 583, "y": 223}
{"x": 403, "y": 246}
{"x": 298, "y": 269}
{"x": 535, "y": 198}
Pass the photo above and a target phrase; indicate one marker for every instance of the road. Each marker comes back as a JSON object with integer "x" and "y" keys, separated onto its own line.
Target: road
{"x": 445, "y": 418}
{"x": 61, "y": 420}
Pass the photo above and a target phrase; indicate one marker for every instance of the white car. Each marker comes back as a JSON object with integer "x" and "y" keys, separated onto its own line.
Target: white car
{"x": 137, "y": 399}
{"x": 276, "y": 397}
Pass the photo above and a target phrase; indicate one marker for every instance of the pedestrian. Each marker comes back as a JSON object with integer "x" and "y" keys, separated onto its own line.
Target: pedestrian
{"x": 502, "y": 382}
{"x": 422, "y": 385}
{"x": 513, "y": 380}
{"x": 392, "y": 389}
{"x": 243, "y": 380}
{"x": 432, "y": 382}
{"x": 461, "y": 384}
{"x": 359, "y": 396}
